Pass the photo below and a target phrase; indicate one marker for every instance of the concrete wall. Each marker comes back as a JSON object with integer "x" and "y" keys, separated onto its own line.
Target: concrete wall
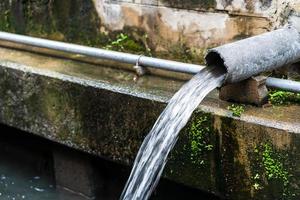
{"x": 197, "y": 24}
{"x": 180, "y": 30}
{"x": 105, "y": 113}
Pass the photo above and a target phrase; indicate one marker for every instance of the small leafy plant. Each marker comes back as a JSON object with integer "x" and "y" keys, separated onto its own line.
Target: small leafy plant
{"x": 278, "y": 97}
{"x": 236, "y": 110}
{"x": 118, "y": 43}
{"x": 125, "y": 43}
{"x": 271, "y": 171}
{"x": 199, "y": 134}
{"x": 274, "y": 168}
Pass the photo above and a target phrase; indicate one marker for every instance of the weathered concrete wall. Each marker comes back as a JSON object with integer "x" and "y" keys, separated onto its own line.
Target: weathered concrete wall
{"x": 179, "y": 30}
{"x": 165, "y": 24}
{"x": 83, "y": 107}
{"x": 192, "y": 23}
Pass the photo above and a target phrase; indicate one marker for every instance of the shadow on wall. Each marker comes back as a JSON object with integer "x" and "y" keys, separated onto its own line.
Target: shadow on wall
{"x": 68, "y": 20}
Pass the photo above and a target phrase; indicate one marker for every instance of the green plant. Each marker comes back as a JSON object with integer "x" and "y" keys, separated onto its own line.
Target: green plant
{"x": 274, "y": 168}
{"x": 236, "y": 110}
{"x": 199, "y": 142}
{"x": 278, "y": 97}
{"x": 127, "y": 44}
{"x": 118, "y": 43}
{"x": 271, "y": 169}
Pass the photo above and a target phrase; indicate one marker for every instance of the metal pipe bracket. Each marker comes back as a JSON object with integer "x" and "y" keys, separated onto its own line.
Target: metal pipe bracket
{"x": 140, "y": 70}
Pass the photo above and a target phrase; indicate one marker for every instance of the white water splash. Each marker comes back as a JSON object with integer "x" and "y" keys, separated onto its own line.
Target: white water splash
{"x": 153, "y": 153}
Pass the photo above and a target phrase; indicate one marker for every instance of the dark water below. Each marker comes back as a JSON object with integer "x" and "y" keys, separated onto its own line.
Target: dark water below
{"x": 19, "y": 182}
{"x": 27, "y": 172}
{"x": 26, "y": 168}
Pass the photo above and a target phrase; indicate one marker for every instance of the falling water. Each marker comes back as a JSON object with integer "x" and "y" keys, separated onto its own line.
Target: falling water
{"x": 153, "y": 153}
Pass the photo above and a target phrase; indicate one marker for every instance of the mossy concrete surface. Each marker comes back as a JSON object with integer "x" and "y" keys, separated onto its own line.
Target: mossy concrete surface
{"x": 106, "y": 113}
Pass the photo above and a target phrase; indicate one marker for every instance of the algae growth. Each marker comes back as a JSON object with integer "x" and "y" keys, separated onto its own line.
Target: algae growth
{"x": 279, "y": 97}
{"x": 199, "y": 131}
{"x": 271, "y": 172}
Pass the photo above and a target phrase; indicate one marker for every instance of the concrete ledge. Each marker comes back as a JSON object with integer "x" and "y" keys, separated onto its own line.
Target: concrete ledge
{"x": 252, "y": 157}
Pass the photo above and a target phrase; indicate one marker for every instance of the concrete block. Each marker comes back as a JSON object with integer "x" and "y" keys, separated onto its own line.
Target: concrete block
{"x": 74, "y": 173}
{"x": 250, "y": 91}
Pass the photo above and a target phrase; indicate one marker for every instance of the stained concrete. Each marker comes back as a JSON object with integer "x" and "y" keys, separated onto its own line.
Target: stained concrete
{"x": 102, "y": 111}
{"x": 177, "y": 30}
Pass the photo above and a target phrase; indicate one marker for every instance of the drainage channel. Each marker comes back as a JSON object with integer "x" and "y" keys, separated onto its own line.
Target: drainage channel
{"x": 36, "y": 179}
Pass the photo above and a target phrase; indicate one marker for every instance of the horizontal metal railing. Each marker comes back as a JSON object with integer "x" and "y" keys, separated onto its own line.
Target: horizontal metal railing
{"x": 133, "y": 59}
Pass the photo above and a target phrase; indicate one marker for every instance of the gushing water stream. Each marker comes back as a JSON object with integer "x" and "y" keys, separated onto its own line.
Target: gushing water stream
{"x": 152, "y": 156}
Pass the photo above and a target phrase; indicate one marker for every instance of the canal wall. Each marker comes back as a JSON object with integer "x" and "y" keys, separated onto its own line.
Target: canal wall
{"x": 107, "y": 112}
{"x": 104, "y": 112}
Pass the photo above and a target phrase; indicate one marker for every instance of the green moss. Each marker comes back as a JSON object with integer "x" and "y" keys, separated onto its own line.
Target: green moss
{"x": 199, "y": 134}
{"x": 271, "y": 173}
{"x": 134, "y": 46}
{"x": 237, "y": 110}
{"x": 278, "y": 97}
{"x": 186, "y": 54}
{"x": 273, "y": 167}
{"x": 192, "y": 159}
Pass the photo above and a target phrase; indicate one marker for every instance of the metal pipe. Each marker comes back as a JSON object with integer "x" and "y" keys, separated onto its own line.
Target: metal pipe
{"x": 103, "y": 54}
{"x": 288, "y": 85}
{"x": 251, "y": 56}
{"x": 130, "y": 58}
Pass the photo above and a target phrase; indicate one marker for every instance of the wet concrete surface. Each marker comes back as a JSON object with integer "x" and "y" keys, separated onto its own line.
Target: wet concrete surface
{"x": 158, "y": 87}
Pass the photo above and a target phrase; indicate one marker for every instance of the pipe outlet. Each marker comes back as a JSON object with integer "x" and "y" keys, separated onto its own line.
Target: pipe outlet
{"x": 251, "y": 56}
